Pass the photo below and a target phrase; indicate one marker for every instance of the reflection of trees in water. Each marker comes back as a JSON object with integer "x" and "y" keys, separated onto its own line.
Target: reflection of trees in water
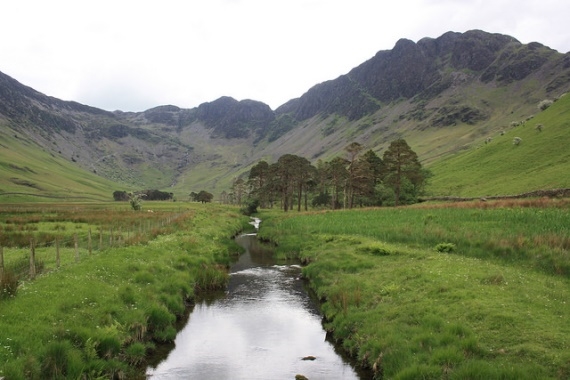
{"x": 257, "y": 253}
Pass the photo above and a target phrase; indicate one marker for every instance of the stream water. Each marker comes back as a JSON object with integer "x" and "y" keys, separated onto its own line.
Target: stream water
{"x": 262, "y": 327}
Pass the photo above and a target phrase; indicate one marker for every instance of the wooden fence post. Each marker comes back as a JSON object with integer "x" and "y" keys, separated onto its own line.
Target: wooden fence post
{"x": 89, "y": 241}
{"x": 57, "y": 261}
{"x": 32, "y": 259}
{"x": 76, "y": 247}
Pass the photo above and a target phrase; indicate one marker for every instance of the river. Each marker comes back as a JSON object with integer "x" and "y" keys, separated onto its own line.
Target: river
{"x": 265, "y": 326}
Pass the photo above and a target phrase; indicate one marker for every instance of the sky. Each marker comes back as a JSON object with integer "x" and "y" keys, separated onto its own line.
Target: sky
{"x": 133, "y": 55}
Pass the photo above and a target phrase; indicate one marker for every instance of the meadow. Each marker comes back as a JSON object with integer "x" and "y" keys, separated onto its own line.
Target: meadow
{"x": 104, "y": 309}
{"x": 473, "y": 290}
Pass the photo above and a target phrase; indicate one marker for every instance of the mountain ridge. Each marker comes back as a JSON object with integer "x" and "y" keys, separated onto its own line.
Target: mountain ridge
{"x": 442, "y": 94}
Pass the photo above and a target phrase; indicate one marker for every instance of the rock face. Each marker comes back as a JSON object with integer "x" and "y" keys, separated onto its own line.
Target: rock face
{"x": 24, "y": 105}
{"x": 422, "y": 70}
{"x": 232, "y": 119}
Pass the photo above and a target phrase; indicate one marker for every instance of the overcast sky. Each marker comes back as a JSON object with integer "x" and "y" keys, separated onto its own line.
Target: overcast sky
{"x": 132, "y": 55}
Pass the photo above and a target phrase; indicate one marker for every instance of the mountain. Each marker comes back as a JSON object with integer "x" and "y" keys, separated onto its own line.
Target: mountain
{"x": 443, "y": 95}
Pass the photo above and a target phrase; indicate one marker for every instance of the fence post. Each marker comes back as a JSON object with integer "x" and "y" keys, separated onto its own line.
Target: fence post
{"x": 89, "y": 241}
{"x": 32, "y": 259}
{"x": 76, "y": 247}
{"x": 57, "y": 261}
{"x": 1, "y": 262}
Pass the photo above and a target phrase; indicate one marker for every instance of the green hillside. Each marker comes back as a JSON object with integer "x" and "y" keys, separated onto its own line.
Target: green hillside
{"x": 30, "y": 173}
{"x": 499, "y": 167}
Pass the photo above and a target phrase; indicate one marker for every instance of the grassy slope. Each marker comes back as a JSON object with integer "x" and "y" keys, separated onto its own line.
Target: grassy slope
{"x": 541, "y": 161}
{"x": 493, "y": 308}
{"x": 34, "y": 173}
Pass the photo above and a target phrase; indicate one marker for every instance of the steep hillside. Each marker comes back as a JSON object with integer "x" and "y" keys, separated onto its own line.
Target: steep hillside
{"x": 443, "y": 95}
{"x": 31, "y": 173}
{"x": 498, "y": 165}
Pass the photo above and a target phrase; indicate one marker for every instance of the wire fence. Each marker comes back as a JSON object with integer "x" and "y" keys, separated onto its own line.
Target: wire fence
{"x": 39, "y": 255}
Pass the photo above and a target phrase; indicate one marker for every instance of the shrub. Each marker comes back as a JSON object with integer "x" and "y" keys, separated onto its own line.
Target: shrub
{"x": 108, "y": 347}
{"x": 375, "y": 250}
{"x": 135, "y": 353}
{"x": 517, "y": 141}
{"x": 175, "y": 304}
{"x": 250, "y": 208}
{"x": 8, "y": 284}
{"x": 211, "y": 278}
{"x": 159, "y": 318}
{"x": 544, "y": 104}
{"x": 54, "y": 364}
{"x": 445, "y": 247}
{"x": 166, "y": 335}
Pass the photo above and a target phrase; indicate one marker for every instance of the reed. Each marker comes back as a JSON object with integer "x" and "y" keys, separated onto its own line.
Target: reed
{"x": 441, "y": 290}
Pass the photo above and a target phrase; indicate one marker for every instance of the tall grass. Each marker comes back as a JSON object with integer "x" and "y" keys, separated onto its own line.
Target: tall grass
{"x": 100, "y": 317}
{"x": 493, "y": 306}
{"x": 525, "y": 233}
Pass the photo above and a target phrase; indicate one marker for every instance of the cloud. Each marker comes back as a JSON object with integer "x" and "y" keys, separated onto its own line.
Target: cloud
{"x": 134, "y": 55}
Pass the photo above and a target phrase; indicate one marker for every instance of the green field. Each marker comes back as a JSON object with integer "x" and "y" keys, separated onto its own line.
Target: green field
{"x": 499, "y": 167}
{"x": 101, "y": 312}
{"x": 465, "y": 291}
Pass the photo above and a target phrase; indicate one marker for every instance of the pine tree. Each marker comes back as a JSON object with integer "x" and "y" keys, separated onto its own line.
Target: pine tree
{"x": 401, "y": 164}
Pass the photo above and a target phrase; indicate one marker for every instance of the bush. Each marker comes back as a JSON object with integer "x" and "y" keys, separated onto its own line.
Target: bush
{"x": 250, "y": 208}
{"x": 54, "y": 364}
{"x": 166, "y": 335}
{"x": 108, "y": 347}
{"x": 8, "y": 284}
{"x": 517, "y": 141}
{"x": 445, "y": 247}
{"x": 544, "y": 104}
{"x": 159, "y": 318}
{"x": 135, "y": 353}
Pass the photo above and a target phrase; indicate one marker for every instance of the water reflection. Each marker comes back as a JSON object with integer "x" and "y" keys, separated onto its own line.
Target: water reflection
{"x": 260, "y": 329}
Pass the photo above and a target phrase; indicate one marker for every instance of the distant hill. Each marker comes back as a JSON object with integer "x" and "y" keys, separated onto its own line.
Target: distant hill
{"x": 443, "y": 95}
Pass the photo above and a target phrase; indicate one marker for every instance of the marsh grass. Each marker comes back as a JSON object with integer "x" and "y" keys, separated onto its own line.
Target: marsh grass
{"x": 56, "y": 230}
{"x": 101, "y": 316}
{"x": 493, "y": 307}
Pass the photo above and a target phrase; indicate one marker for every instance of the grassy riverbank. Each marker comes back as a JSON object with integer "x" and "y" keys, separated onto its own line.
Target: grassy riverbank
{"x": 99, "y": 314}
{"x": 467, "y": 291}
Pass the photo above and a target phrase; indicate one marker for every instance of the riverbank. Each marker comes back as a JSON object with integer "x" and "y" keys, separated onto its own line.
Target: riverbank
{"x": 261, "y": 327}
{"x": 101, "y": 316}
{"x": 476, "y": 291}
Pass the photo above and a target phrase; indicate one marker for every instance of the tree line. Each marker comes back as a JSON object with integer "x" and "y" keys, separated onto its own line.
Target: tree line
{"x": 359, "y": 179}
{"x": 203, "y": 196}
{"x": 149, "y": 195}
